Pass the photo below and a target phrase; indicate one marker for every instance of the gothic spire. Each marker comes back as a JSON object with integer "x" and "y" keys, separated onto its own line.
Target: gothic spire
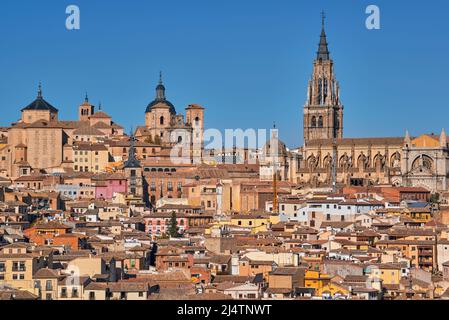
{"x": 132, "y": 161}
{"x": 86, "y": 98}
{"x": 323, "y": 50}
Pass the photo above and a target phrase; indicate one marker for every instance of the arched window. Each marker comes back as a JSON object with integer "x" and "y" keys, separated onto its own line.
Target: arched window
{"x": 162, "y": 121}
{"x": 313, "y": 124}
{"x": 325, "y": 91}
{"x": 320, "y": 122}
{"x": 320, "y": 92}
{"x": 197, "y": 121}
{"x": 179, "y": 139}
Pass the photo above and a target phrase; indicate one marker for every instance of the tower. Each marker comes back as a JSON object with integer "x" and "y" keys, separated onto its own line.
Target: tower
{"x": 160, "y": 114}
{"x": 86, "y": 110}
{"x": 323, "y": 111}
{"x": 133, "y": 171}
{"x": 195, "y": 119}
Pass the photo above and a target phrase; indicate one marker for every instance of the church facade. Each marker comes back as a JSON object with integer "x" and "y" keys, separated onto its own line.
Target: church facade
{"x": 165, "y": 127}
{"x": 327, "y": 155}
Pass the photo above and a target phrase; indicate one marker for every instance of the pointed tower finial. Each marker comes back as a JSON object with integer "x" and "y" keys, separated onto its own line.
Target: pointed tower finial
{"x": 99, "y": 106}
{"x": 86, "y": 98}
{"x": 160, "y": 89}
{"x": 407, "y": 140}
{"x": 323, "y": 18}
{"x": 323, "y": 50}
{"x": 274, "y": 124}
{"x": 443, "y": 139}
{"x": 39, "y": 90}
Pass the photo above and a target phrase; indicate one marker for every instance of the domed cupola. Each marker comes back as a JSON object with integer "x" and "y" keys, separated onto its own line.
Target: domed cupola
{"x": 40, "y": 103}
{"x": 160, "y": 98}
{"x": 275, "y": 147}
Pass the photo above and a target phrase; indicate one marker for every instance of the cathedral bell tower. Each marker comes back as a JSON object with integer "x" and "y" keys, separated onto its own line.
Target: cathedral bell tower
{"x": 323, "y": 111}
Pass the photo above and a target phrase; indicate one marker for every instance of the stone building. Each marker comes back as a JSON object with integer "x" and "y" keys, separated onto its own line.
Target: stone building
{"x": 40, "y": 141}
{"x": 426, "y": 162}
{"x": 323, "y": 111}
{"x": 164, "y": 126}
{"x": 399, "y": 161}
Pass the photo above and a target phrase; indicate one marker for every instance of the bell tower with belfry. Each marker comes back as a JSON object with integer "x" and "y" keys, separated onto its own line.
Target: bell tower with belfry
{"x": 323, "y": 111}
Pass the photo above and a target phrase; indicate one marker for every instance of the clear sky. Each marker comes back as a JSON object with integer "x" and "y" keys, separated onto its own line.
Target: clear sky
{"x": 246, "y": 61}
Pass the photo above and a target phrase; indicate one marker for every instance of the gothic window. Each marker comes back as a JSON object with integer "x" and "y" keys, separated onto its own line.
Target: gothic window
{"x": 325, "y": 91}
{"x": 313, "y": 122}
{"x": 162, "y": 121}
{"x": 396, "y": 160}
{"x": 328, "y": 162}
{"x": 337, "y": 121}
{"x": 320, "y": 122}
{"x": 320, "y": 91}
{"x": 423, "y": 162}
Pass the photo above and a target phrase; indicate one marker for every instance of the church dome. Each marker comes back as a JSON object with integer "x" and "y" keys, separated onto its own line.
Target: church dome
{"x": 160, "y": 99}
{"x": 40, "y": 104}
{"x": 275, "y": 147}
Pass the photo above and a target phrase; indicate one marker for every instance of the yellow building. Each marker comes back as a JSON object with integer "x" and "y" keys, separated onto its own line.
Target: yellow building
{"x": 46, "y": 283}
{"x": 90, "y": 158}
{"x": 17, "y": 267}
{"x": 332, "y": 290}
{"x": 316, "y": 279}
{"x": 390, "y": 274}
{"x": 257, "y": 223}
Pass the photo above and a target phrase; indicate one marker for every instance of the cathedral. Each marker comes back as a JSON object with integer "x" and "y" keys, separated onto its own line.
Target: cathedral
{"x": 164, "y": 126}
{"x": 328, "y": 157}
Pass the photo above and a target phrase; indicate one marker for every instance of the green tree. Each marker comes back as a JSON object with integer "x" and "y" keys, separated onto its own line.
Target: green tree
{"x": 173, "y": 229}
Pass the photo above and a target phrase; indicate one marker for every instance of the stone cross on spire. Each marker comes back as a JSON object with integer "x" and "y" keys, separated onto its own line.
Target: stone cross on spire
{"x": 39, "y": 91}
{"x": 323, "y": 17}
{"x": 323, "y": 50}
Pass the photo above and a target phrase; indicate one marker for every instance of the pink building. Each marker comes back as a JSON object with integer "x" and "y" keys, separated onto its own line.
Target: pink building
{"x": 156, "y": 224}
{"x": 107, "y": 185}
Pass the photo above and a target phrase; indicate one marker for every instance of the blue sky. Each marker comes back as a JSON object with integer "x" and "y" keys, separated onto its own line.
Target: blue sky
{"x": 246, "y": 61}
